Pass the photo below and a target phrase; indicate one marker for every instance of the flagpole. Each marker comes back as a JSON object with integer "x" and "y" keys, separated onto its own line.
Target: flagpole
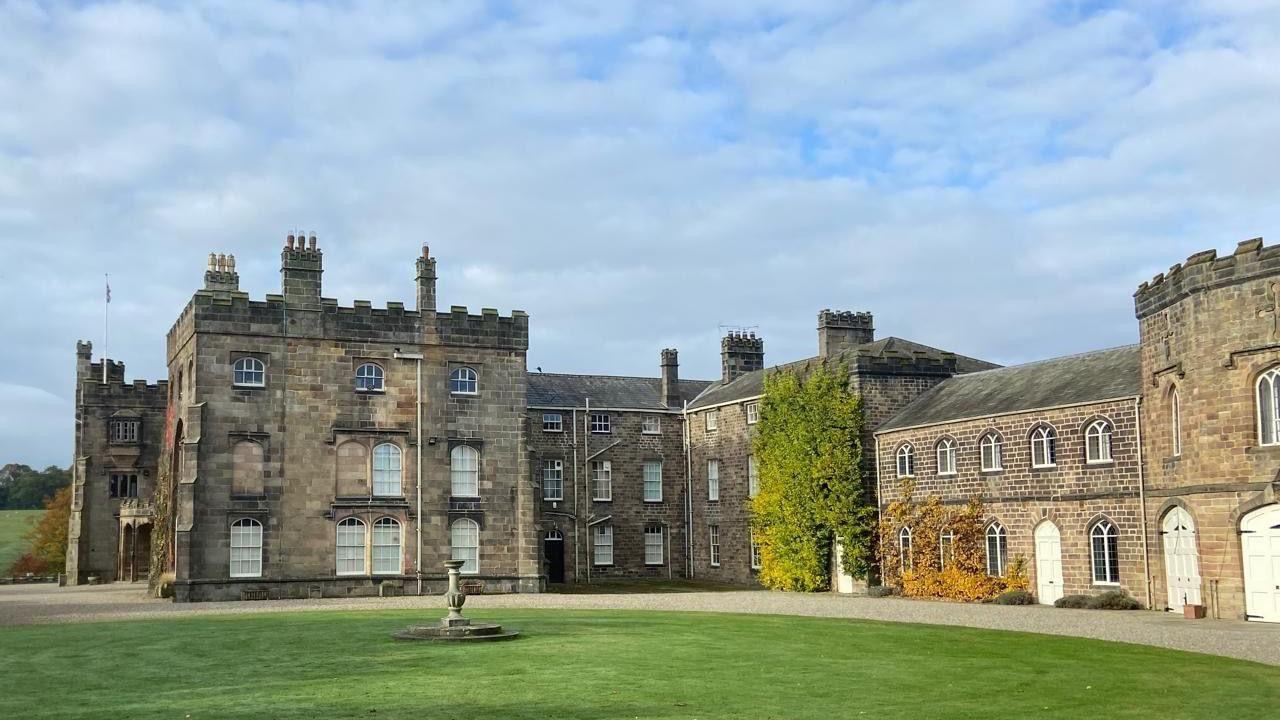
{"x": 106, "y": 328}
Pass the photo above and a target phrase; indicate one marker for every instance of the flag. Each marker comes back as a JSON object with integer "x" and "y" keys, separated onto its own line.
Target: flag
{"x": 108, "y": 290}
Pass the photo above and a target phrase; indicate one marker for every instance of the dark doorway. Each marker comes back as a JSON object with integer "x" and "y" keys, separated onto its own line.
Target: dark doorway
{"x": 553, "y": 550}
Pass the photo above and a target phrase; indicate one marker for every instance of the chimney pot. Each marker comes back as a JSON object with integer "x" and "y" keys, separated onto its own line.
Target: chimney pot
{"x": 313, "y": 242}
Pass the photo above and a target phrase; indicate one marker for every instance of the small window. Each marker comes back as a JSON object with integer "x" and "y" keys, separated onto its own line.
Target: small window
{"x": 123, "y": 485}
{"x": 1044, "y": 447}
{"x": 464, "y": 540}
{"x": 1097, "y": 442}
{"x": 601, "y": 480}
{"x": 713, "y": 420}
{"x": 652, "y": 425}
{"x": 753, "y": 476}
{"x": 125, "y": 432}
{"x": 552, "y": 422}
{"x": 992, "y": 451}
{"x": 713, "y": 537}
{"x": 351, "y": 547}
{"x": 997, "y": 550}
{"x": 653, "y": 481}
{"x": 946, "y": 548}
{"x": 1175, "y": 422}
{"x": 464, "y": 471}
{"x": 947, "y": 457}
{"x": 249, "y": 372}
{"x": 1104, "y": 542}
{"x": 387, "y": 548}
{"x": 713, "y": 480}
{"x": 906, "y": 461}
{"x": 246, "y": 548}
{"x": 553, "y": 480}
{"x": 602, "y": 545}
{"x": 756, "y": 560}
{"x": 600, "y": 423}
{"x": 654, "y": 545}
{"x": 1269, "y": 407}
{"x": 462, "y": 381}
{"x": 753, "y": 413}
{"x": 904, "y": 548}
{"x": 386, "y": 470}
{"x": 369, "y": 378}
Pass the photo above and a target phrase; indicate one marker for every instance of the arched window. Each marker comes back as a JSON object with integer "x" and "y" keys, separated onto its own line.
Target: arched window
{"x": 464, "y": 467}
{"x": 387, "y": 551}
{"x": 1175, "y": 421}
{"x": 906, "y": 461}
{"x": 1097, "y": 442}
{"x": 249, "y": 372}
{"x": 1269, "y": 407}
{"x": 946, "y": 548}
{"x": 462, "y": 381}
{"x": 351, "y": 547}
{"x": 1104, "y": 541}
{"x": 246, "y": 548}
{"x": 1044, "y": 447}
{"x": 904, "y": 547}
{"x": 369, "y": 378}
{"x": 386, "y": 470}
{"x": 992, "y": 452}
{"x": 997, "y": 550}
{"x": 464, "y": 537}
{"x": 946, "y": 456}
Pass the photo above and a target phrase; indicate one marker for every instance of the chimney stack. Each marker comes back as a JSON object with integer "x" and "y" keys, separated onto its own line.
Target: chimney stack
{"x": 840, "y": 330}
{"x": 300, "y": 270}
{"x": 740, "y": 353}
{"x": 426, "y": 281}
{"x": 221, "y": 274}
{"x": 671, "y": 379}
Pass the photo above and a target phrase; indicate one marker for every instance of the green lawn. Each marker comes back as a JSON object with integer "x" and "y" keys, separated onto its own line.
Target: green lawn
{"x": 13, "y": 525}
{"x": 605, "y": 665}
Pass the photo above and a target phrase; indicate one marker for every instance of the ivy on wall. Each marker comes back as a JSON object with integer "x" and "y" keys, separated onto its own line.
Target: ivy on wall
{"x": 162, "y": 528}
{"x": 808, "y": 451}
{"x": 958, "y": 572}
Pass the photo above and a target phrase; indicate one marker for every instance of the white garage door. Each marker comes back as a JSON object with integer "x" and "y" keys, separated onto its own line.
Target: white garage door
{"x": 1260, "y": 543}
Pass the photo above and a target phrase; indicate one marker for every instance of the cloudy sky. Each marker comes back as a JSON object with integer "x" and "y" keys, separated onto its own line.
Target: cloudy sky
{"x": 994, "y": 179}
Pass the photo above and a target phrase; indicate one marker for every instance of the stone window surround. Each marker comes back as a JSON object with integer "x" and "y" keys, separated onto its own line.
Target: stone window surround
{"x": 259, "y": 369}
{"x": 458, "y": 378}
{"x": 552, "y": 426}
{"x": 375, "y": 382}
{"x": 656, "y": 422}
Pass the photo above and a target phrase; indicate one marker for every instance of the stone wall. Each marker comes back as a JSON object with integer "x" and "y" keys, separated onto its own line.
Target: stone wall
{"x": 730, "y": 445}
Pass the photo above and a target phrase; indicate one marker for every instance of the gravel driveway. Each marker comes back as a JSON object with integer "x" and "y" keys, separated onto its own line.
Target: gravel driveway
{"x": 1259, "y": 642}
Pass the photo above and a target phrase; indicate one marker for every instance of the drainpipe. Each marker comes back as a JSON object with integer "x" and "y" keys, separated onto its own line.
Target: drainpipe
{"x": 586, "y": 478}
{"x": 1142, "y": 498}
{"x": 688, "y": 493}
{"x": 577, "y": 516}
{"x": 417, "y": 525}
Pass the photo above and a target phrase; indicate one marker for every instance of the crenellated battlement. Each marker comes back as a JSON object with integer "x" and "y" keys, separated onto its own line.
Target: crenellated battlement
{"x": 1206, "y": 271}
{"x": 898, "y": 362}
{"x": 118, "y": 392}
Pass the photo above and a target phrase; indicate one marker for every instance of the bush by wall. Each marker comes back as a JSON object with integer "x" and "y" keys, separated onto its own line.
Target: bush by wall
{"x": 1109, "y": 600}
{"x": 1015, "y": 597}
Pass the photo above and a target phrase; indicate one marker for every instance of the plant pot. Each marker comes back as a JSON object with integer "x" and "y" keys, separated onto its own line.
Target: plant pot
{"x": 1193, "y": 612}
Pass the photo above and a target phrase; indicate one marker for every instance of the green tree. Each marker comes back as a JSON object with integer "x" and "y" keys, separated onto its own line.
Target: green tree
{"x": 808, "y": 450}
{"x": 22, "y": 488}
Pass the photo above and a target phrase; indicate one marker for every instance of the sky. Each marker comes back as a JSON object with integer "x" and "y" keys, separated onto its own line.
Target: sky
{"x": 991, "y": 178}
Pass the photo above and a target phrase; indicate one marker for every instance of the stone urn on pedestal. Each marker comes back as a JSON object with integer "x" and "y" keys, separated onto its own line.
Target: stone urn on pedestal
{"x": 455, "y": 627}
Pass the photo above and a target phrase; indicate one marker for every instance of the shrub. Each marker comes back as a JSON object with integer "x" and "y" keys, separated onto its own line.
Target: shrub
{"x": 28, "y": 563}
{"x": 1074, "y": 602}
{"x": 1015, "y": 597}
{"x": 1114, "y": 600}
{"x": 880, "y": 591}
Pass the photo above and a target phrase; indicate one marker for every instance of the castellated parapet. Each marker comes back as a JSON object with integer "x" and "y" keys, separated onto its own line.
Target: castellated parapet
{"x": 1206, "y": 271}
{"x": 740, "y": 353}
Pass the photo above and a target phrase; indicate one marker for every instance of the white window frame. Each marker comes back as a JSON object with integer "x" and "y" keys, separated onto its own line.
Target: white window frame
{"x": 757, "y": 558}
{"x": 652, "y": 482}
{"x": 991, "y": 444}
{"x": 370, "y": 378}
{"x": 384, "y": 562}
{"x": 997, "y": 533}
{"x": 248, "y": 372}
{"x": 356, "y": 554}
{"x": 1046, "y": 438}
{"x": 753, "y": 476}
{"x": 553, "y": 480}
{"x": 712, "y": 419}
{"x": 464, "y": 471}
{"x": 464, "y": 380}
{"x": 464, "y": 544}
{"x": 904, "y": 549}
{"x": 651, "y": 425}
{"x": 655, "y": 540}
{"x": 946, "y": 456}
{"x": 713, "y": 544}
{"x": 602, "y": 545}
{"x": 753, "y": 413}
{"x": 599, "y": 423}
{"x": 551, "y": 425}
{"x": 905, "y": 461}
{"x": 1267, "y": 399}
{"x": 1097, "y": 442}
{"x": 713, "y": 480}
{"x": 246, "y": 538}
{"x": 388, "y": 470}
{"x": 602, "y": 480}
{"x": 1175, "y": 421}
{"x": 1105, "y": 531}
{"x": 946, "y": 548}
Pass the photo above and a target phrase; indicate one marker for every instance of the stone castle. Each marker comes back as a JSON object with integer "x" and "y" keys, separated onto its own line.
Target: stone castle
{"x": 302, "y": 449}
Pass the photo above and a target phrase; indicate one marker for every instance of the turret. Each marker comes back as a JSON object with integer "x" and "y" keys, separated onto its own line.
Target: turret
{"x": 740, "y": 353}
{"x": 840, "y": 330}
{"x": 301, "y": 264}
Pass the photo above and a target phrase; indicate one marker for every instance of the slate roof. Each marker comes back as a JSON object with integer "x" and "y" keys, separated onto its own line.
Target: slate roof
{"x": 1088, "y": 377}
{"x": 605, "y": 391}
{"x": 752, "y": 384}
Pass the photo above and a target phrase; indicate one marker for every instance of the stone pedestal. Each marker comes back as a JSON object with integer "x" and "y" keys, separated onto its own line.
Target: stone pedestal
{"x": 454, "y": 627}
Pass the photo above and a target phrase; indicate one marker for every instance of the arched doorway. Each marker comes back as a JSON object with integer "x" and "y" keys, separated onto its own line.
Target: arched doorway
{"x": 125, "y": 555}
{"x": 1048, "y": 563}
{"x": 553, "y": 551}
{"x": 1260, "y": 548}
{"x": 1181, "y": 559}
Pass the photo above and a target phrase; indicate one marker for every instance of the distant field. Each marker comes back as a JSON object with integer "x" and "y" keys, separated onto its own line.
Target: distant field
{"x": 13, "y": 525}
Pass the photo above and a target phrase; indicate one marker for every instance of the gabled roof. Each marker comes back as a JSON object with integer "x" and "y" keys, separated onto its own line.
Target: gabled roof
{"x": 867, "y": 357}
{"x": 605, "y": 391}
{"x": 1076, "y": 379}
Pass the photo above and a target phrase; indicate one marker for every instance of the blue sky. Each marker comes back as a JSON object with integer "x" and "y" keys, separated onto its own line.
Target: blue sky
{"x": 993, "y": 178}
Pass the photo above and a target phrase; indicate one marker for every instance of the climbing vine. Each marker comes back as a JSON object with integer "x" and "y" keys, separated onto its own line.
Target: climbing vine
{"x": 162, "y": 525}
{"x": 963, "y": 575}
{"x": 808, "y": 451}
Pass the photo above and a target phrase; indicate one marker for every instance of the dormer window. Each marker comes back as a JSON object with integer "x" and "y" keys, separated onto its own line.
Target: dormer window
{"x": 369, "y": 378}
{"x": 249, "y": 372}
{"x": 125, "y": 431}
{"x": 463, "y": 381}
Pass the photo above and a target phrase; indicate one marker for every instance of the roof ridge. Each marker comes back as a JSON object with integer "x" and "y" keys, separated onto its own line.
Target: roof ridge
{"x": 619, "y": 377}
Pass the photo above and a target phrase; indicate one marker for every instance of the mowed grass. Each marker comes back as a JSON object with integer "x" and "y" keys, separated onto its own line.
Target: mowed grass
{"x": 605, "y": 664}
{"x": 13, "y": 525}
